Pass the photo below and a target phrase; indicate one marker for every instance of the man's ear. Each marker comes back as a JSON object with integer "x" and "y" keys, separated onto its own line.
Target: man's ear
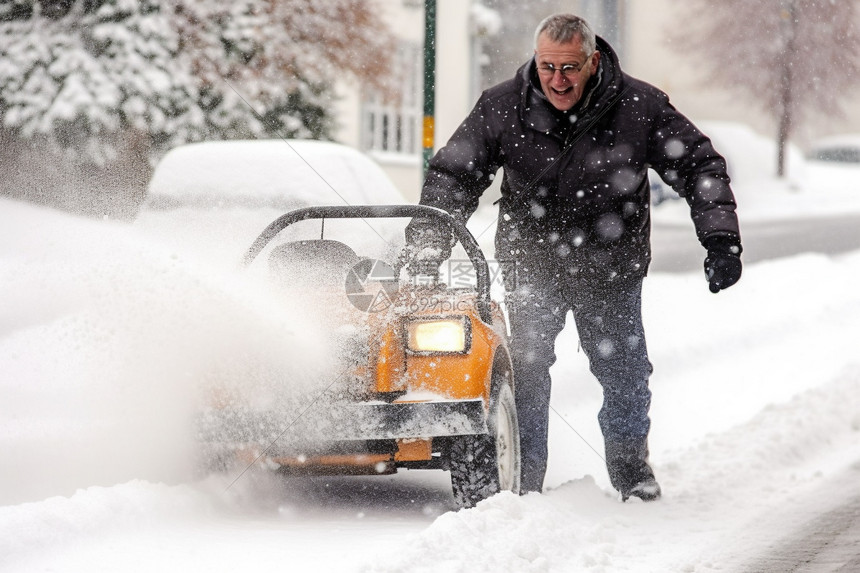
{"x": 596, "y": 60}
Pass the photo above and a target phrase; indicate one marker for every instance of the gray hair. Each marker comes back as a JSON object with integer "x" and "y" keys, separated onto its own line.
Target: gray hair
{"x": 562, "y": 28}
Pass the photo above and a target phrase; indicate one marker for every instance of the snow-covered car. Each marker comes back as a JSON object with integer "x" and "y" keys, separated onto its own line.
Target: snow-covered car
{"x": 660, "y": 191}
{"x": 421, "y": 373}
{"x": 837, "y": 148}
{"x": 750, "y": 156}
{"x": 213, "y": 197}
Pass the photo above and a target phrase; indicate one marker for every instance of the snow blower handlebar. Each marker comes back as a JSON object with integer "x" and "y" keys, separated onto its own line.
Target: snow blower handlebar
{"x": 461, "y": 233}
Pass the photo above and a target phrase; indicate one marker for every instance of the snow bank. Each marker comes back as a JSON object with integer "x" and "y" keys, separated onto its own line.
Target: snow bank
{"x": 730, "y": 479}
{"x": 810, "y": 189}
{"x": 95, "y": 511}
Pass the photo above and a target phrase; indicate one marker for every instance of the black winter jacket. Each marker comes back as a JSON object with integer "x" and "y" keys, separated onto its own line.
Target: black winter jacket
{"x": 575, "y": 187}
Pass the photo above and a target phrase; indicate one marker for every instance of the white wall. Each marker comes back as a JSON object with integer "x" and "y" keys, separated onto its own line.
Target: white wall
{"x": 453, "y": 67}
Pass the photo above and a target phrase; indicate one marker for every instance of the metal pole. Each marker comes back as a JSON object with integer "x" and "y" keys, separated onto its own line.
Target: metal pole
{"x": 429, "y": 82}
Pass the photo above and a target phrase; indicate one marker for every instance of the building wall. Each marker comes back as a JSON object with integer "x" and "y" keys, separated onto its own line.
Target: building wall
{"x": 453, "y": 85}
{"x": 454, "y": 97}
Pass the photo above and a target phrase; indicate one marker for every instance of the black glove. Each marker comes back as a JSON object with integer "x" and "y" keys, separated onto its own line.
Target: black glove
{"x": 723, "y": 263}
{"x": 429, "y": 241}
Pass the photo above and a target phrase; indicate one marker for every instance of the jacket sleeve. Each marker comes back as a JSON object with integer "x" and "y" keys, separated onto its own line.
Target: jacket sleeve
{"x": 685, "y": 159}
{"x": 461, "y": 170}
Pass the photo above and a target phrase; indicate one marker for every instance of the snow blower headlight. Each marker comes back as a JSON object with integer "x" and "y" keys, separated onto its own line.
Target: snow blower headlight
{"x": 440, "y": 336}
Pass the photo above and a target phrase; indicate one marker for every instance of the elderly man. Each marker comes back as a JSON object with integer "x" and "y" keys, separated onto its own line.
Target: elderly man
{"x": 575, "y": 136}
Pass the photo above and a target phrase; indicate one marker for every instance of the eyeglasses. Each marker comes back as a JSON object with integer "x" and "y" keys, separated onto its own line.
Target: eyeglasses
{"x": 566, "y": 70}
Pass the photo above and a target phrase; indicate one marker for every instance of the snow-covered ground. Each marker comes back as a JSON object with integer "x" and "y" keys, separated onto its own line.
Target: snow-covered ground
{"x": 104, "y": 332}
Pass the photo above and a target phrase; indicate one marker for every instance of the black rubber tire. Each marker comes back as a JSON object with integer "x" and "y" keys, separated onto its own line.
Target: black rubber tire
{"x": 483, "y": 465}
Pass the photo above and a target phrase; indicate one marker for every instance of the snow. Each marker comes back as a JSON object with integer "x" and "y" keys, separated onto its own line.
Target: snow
{"x": 105, "y": 332}
{"x": 273, "y": 172}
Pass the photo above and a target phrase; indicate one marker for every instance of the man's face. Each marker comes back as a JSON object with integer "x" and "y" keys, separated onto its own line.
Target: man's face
{"x": 564, "y": 90}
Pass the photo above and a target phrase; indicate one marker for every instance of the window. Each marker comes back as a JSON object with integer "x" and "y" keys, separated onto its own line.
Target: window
{"x": 393, "y": 124}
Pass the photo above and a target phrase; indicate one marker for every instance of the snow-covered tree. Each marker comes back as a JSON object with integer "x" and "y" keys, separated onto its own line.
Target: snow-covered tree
{"x": 791, "y": 58}
{"x": 81, "y": 75}
{"x": 85, "y": 73}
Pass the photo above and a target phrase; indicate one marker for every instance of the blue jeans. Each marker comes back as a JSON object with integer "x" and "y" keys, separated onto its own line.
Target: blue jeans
{"x": 608, "y": 317}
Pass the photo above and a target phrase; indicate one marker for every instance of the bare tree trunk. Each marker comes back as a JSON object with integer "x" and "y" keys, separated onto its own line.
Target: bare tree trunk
{"x": 785, "y": 117}
{"x": 784, "y": 122}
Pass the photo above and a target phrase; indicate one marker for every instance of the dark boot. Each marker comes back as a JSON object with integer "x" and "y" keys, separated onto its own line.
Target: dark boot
{"x": 531, "y": 482}
{"x": 629, "y": 472}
